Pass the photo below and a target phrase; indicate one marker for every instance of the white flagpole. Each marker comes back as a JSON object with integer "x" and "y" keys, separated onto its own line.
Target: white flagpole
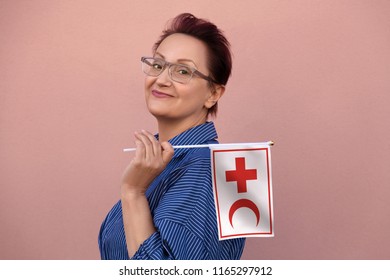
{"x": 269, "y": 143}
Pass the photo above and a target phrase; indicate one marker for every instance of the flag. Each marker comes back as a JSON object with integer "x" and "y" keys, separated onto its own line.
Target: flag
{"x": 242, "y": 186}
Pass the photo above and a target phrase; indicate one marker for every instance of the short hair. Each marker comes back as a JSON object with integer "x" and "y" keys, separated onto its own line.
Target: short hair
{"x": 219, "y": 55}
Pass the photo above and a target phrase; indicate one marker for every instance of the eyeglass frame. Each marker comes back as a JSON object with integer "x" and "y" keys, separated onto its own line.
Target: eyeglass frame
{"x": 169, "y": 65}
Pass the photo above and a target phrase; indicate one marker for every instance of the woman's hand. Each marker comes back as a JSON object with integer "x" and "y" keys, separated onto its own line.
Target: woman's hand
{"x": 149, "y": 161}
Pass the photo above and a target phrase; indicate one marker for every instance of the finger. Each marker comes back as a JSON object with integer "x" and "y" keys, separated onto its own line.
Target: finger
{"x": 155, "y": 144}
{"x": 139, "y": 150}
{"x": 167, "y": 152}
{"x": 146, "y": 142}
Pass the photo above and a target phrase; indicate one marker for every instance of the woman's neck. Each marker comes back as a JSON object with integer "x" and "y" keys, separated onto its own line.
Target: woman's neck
{"x": 167, "y": 129}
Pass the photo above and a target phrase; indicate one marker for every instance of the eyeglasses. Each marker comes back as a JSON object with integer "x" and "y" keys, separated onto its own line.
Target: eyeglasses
{"x": 180, "y": 73}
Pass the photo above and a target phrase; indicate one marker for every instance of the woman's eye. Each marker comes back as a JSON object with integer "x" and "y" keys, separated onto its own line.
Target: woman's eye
{"x": 157, "y": 66}
{"x": 183, "y": 71}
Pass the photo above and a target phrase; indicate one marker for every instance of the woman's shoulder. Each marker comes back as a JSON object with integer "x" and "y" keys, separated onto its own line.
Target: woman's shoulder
{"x": 199, "y": 155}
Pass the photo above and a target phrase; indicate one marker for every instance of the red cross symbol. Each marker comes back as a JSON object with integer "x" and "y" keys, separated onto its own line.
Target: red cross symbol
{"x": 241, "y": 175}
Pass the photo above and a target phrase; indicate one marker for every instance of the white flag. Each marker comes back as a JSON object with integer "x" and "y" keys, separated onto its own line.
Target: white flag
{"x": 242, "y": 185}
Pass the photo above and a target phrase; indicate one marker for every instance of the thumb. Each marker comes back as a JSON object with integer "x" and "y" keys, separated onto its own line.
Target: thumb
{"x": 167, "y": 152}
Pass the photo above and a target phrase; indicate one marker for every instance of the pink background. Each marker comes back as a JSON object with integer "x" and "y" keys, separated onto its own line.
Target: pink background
{"x": 314, "y": 76}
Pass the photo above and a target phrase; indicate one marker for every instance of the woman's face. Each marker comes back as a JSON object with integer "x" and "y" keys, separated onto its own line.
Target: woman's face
{"x": 173, "y": 101}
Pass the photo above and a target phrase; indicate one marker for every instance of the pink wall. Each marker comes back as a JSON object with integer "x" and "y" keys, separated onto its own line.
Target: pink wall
{"x": 314, "y": 76}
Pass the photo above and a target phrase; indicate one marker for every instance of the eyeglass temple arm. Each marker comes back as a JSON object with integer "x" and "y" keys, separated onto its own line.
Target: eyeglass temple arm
{"x": 207, "y": 78}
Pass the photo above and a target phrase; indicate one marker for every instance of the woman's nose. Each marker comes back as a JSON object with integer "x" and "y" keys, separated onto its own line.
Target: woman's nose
{"x": 164, "y": 79}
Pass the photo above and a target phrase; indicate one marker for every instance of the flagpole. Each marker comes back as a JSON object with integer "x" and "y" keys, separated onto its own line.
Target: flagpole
{"x": 269, "y": 143}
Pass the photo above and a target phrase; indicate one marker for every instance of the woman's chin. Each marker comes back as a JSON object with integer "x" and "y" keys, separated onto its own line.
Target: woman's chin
{"x": 160, "y": 113}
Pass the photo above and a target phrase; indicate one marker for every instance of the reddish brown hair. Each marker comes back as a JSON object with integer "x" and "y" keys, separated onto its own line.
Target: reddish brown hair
{"x": 219, "y": 56}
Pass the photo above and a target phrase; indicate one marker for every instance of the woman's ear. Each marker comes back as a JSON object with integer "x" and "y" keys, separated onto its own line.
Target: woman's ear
{"x": 217, "y": 92}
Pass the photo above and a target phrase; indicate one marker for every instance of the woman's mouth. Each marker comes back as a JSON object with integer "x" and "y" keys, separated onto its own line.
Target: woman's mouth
{"x": 160, "y": 94}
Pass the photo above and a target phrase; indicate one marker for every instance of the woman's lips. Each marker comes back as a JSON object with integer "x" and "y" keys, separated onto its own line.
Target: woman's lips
{"x": 160, "y": 94}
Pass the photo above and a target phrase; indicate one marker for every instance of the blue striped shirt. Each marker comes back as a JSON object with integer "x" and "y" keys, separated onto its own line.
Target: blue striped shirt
{"x": 182, "y": 206}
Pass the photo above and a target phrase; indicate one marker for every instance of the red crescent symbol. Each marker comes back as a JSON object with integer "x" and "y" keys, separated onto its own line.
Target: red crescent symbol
{"x": 244, "y": 203}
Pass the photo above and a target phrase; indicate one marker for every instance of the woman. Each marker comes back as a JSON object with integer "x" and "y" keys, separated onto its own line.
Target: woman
{"x": 166, "y": 209}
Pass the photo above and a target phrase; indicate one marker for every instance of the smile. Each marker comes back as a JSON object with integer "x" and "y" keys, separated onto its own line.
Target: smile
{"x": 160, "y": 94}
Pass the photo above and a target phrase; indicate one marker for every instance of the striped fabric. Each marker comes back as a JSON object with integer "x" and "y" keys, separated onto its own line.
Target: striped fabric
{"x": 183, "y": 210}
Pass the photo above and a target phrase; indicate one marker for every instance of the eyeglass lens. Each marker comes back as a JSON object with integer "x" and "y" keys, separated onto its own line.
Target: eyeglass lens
{"x": 177, "y": 72}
